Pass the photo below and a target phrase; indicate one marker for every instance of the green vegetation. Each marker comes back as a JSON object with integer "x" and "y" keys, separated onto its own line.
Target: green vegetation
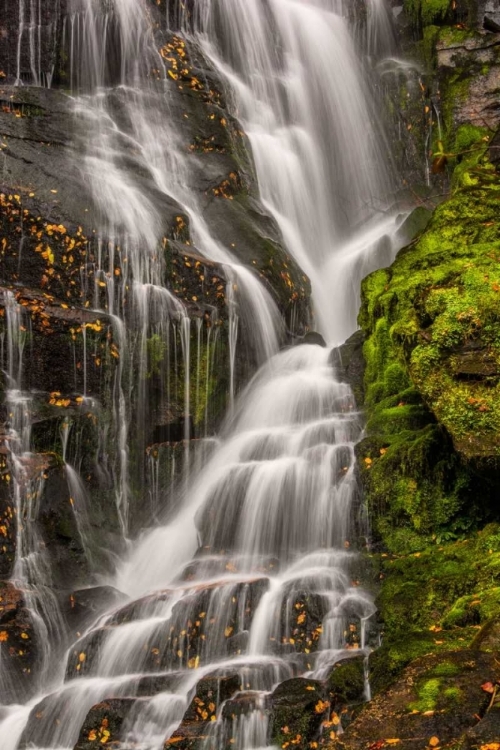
{"x": 436, "y": 601}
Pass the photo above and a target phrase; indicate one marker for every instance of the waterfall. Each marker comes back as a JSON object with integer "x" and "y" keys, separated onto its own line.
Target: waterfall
{"x": 268, "y": 519}
{"x": 308, "y": 106}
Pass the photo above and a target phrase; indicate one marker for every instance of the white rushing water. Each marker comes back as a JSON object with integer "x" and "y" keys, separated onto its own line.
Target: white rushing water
{"x": 269, "y": 520}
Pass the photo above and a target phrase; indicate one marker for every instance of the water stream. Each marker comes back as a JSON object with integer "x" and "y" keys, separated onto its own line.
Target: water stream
{"x": 266, "y": 523}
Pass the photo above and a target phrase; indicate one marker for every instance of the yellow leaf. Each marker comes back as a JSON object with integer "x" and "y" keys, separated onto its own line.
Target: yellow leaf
{"x": 321, "y": 707}
{"x": 434, "y": 741}
{"x": 105, "y": 735}
{"x": 81, "y": 657}
{"x": 92, "y": 735}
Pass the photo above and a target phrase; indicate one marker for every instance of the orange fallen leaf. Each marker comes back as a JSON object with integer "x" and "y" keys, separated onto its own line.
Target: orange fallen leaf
{"x": 488, "y": 687}
{"x": 434, "y": 741}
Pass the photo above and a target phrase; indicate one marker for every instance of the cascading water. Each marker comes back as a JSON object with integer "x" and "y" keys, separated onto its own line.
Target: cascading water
{"x": 306, "y": 103}
{"x": 267, "y": 522}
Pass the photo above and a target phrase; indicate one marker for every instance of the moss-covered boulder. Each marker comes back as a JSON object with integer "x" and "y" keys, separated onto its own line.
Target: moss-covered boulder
{"x": 445, "y": 597}
{"x": 432, "y": 459}
{"x": 298, "y": 709}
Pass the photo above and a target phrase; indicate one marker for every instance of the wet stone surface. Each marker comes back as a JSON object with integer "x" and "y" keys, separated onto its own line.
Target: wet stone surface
{"x": 105, "y": 724}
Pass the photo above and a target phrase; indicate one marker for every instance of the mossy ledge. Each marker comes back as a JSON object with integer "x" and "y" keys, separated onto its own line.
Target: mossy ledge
{"x": 430, "y": 463}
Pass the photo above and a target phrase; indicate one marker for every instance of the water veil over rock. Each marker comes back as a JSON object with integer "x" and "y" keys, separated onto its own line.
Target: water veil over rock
{"x": 217, "y": 155}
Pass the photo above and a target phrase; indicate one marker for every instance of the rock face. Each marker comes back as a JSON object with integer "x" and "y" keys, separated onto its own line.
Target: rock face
{"x": 105, "y": 723}
{"x": 211, "y": 692}
{"x": 430, "y": 461}
{"x": 18, "y": 643}
{"x": 50, "y": 253}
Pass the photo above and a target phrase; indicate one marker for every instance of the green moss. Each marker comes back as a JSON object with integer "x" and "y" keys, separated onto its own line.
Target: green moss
{"x": 427, "y": 11}
{"x": 347, "y": 681}
{"x": 435, "y": 600}
{"x": 428, "y": 694}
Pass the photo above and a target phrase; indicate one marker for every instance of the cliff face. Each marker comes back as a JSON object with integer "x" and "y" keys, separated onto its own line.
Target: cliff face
{"x": 58, "y": 270}
{"x": 430, "y": 463}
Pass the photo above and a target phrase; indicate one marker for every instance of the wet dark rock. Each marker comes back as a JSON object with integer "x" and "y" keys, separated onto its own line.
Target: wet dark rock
{"x": 474, "y": 362}
{"x": 84, "y": 653}
{"x": 312, "y": 337}
{"x": 237, "y": 644}
{"x": 349, "y": 364}
{"x": 81, "y": 608}
{"x": 202, "y": 623}
{"x": 436, "y": 696}
{"x": 489, "y": 14}
{"x": 200, "y": 630}
{"x": 241, "y": 705}
{"x": 75, "y": 553}
{"x": 414, "y": 224}
{"x": 18, "y": 644}
{"x": 211, "y": 692}
{"x": 173, "y": 432}
{"x": 347, "y": 681}
{"x": 477, "y": 59}
{"x": 488, "y": 638}
{"x": 139, "y": 608}
{"x": 190, "y": 736}
{"x": 154, "y": 684}
{"x": 49, "y": 30}
{"x": 59, "y": 360}
{"x": 7, "y": 518}
{"x": 494, "y": 150}
{"x": 104, "y": 724}
{"x": 298, "y": 708}
{"x": 303, "y": 619}
{"x": 485, "y": 732}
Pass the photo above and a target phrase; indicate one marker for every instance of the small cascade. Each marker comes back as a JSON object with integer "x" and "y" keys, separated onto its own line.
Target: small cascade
{"x": 36, "y": 42}
{"x": 31, "y": 571}
{"x": 269, "y": 596}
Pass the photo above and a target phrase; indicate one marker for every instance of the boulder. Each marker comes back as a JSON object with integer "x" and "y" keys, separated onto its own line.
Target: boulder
{"x": 105, "y": 723}
{"x": 298, "y": 708}
{"x": 19, "y": 645}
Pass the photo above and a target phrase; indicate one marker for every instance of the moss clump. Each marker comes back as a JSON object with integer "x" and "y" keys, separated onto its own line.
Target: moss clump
{"x": 427, "y": 12}
{"x": 436, "y": 600}
{"x": 432, "y": 325}
{"x": 347, "y": 681}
